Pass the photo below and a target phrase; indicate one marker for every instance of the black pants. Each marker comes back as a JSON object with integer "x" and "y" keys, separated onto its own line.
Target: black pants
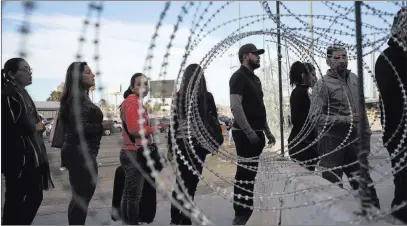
{"x": 304, "y": 155}
{"x": 245, "y": 149}
{"x": 400, "y": 183}
{"x": 190, "y": 181}
{"x": 23, "y": 197}
{"x": 343, "y": 156}
{"x": 148, "y": 200}
{"x": 83, "y": 187}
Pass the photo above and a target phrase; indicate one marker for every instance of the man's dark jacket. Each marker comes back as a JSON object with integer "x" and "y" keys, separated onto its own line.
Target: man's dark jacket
{"x": 390, "y": 90}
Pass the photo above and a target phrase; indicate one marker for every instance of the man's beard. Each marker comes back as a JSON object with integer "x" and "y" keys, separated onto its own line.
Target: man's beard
{"x": 342, "y": 67}
{"x": 254, "y": 64}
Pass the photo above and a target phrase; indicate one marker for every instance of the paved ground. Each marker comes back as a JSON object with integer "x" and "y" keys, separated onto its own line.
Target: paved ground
{"x": 54, "y": 206}
{"x": 220, "y": 211}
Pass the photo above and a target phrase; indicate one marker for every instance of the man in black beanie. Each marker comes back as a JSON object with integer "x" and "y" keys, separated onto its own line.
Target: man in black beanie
{"x": 391, "y": 64}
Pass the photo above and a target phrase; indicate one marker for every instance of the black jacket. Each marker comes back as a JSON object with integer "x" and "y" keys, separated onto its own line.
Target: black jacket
{"x": 390, "y": 90}
{"x": 300, "y": 105}
{"x": 210, "y": 107}
{"x": 22, "y": 147}
{"x": 91, "y": 118}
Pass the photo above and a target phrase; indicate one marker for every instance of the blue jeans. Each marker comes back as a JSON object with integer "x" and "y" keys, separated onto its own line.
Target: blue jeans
{"x": 133, "y": 187}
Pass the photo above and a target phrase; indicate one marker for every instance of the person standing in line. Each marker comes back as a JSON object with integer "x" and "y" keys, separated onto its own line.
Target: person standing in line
{"x": 335, "y": 88}
{"x": 83, "y": 175}
{"x": 302, "y": 75}
{"x": 206, "y": 108}
{"x": 24, "y": 158}
{"x": 395, "y": 55}
{"x": 131, "y": 153}
{"x": 249, "y": 126}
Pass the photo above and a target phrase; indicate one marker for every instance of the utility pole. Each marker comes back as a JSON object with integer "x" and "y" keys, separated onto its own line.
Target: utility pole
{"x": 115, "y": 102}
{"x": 280, "y": 82}
{"x": 311, "y": 27}
{"x": 240, "y": 40}
{"x": 374, "y": 93}
{"x": 264, "y": 45}
{"x": 231, "y": 63}
{"x": 271, "y": 66}
{"x": 115, "y": 94}
{"x": 364, "y": 149}
{"x": 287, "y": 61}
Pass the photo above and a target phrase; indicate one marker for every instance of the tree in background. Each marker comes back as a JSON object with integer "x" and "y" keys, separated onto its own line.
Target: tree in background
{"x": 54, "y": 96}
{"x": 148, "y": 107}
{"x": 157, "y": 107}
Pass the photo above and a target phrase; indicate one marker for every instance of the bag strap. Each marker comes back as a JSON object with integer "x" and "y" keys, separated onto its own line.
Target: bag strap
{"x": 132, "y": 138}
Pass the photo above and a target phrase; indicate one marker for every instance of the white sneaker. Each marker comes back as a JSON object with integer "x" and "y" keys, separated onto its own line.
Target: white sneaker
{"x": 62, "y": 168}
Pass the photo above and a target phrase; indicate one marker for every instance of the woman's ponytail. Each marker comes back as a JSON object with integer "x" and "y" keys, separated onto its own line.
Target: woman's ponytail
{"x": 127, "y": 93}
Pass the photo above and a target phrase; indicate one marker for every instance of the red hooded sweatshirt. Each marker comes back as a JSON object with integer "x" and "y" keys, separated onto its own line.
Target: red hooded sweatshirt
{"x": 129, "y": 111}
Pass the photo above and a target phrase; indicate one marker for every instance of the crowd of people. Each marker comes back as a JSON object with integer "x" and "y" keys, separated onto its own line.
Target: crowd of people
{"x": 322, "y": 121}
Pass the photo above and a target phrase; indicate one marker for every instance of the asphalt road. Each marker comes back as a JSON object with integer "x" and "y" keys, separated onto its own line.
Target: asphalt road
{"x": 108, "y": 160}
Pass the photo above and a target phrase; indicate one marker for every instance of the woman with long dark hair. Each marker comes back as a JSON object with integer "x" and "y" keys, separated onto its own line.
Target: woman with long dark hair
{"x": 206, "y": 106}
{"x": 82, "y": 123}
{"x": 132, "y": 160}
{"x": 302, "y": 76}
{"x": 24, "y": 158}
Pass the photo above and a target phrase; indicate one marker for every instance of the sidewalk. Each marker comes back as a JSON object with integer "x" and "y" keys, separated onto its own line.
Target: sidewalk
{"x": 216, "y": 208}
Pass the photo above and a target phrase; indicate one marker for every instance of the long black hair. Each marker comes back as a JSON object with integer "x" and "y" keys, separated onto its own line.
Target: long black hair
{"x": 67, "y": 93}
{"x": 71, "y": 83}
{"x": 189, "y": 79}
{"x": 129, "y": 90}
{"x": 12, "y": 65}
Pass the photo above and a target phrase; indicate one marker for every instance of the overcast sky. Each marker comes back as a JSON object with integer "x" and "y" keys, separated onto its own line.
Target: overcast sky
{"x": 126, "y": 32}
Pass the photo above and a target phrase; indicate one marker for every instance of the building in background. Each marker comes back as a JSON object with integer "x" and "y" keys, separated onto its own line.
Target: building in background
{"x": 160, "y": 97}
{"x": 47, "y": 108}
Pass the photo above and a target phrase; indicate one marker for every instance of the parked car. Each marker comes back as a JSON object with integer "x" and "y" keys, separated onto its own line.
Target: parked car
{"x": 48, "y": 120}
{"x": 108, "y": 127}
{"x": 118, "y": 127}
{"x": 44, "y": 120}
{"x": 224, "y": 119}
{"x": 116, "y": 119}
{"x": 48, "y": 128}
{"x": 163, "y": 125}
